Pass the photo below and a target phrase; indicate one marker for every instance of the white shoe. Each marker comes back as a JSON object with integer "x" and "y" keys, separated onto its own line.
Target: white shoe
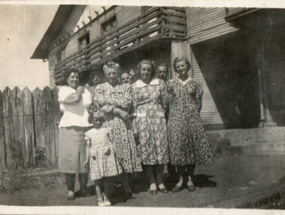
{"x": 100, "y": 202}
{"x": 107, "y": 201}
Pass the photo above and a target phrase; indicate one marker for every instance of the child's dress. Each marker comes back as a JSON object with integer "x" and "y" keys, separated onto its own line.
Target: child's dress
{"x": 102, "y": 165}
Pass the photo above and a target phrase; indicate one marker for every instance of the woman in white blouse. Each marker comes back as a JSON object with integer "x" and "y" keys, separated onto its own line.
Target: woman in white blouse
{"x": 74, "y": 103}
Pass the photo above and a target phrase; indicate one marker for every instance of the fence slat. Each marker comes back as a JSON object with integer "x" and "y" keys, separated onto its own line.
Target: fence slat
{"x": 28, "y": 126}
{"x": 56, "y": 118}
{"x": 47, "y": 120}
{"x": 8, "y": 124}
{"x": 39, "y": 133}
{"x": 2, "y": 135}
{"x": 18, "y": 128}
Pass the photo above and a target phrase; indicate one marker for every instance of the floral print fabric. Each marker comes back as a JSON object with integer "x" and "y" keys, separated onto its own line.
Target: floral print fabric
{"x": 188, "y": 141}
{"x": 101, "y": 165}
{"x": 149, "y": 102}
{"x": 123, "y": 134}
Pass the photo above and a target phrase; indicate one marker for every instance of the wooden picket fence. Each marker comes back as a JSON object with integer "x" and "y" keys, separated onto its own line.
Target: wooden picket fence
{"x": 28, "y": 121}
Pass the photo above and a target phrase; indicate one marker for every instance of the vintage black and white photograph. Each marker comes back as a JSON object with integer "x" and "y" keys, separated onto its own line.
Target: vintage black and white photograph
{"x": 142, "y": 106}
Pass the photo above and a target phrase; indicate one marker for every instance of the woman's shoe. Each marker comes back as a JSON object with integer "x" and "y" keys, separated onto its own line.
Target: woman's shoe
{"x": 100, "y": 202}
{"x": 107, "y": 201}
{"x": 70, "y": 195}
{"x": 176, "y": 189}
{"x": 191, "y": 187}
{"x": 153, "y": 192}
{"x": 162, "y": 188}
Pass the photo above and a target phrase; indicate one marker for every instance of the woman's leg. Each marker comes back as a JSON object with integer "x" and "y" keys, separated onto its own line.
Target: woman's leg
{"x": 180, "y": 173}
{"x": 151, "y": 177}
{"x": 190, "y": 174}
{"x": 159, "y": 177}
{"x": 159, "y": 173}
{"x": 83, "y": 180}
{"x": 70, "y": 182}
{"x": 98, "y": 186}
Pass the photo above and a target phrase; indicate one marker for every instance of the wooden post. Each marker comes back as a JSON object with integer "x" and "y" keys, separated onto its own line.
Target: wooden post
{"x": 28, "y": 126}
{"x": 2, "y": 136}
{"x": 268, "y": 122}
{"x": 56, "y": 118}
{"x": 8, "y": 123}
{"x": 18, "y": 128}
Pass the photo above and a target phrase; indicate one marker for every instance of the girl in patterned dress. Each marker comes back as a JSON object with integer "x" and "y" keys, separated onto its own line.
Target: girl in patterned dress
{"x": 188, "y": 143}
{"x": 115, "y": 102}
{"x": 150, "y": 100}
{"x": 101, "y": 155}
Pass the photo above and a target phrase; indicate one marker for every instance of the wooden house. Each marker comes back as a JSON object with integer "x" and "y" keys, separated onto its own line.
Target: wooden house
{"x": 237, "y": 53}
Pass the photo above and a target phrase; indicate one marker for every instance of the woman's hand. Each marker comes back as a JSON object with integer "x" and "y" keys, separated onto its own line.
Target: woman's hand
{"x": 80, "y": 90}
{"x": 103, "y": 102}
{"x": 108, "y": 152}
{"x": 123, "y": 114}
{"x": 85, "y": 164}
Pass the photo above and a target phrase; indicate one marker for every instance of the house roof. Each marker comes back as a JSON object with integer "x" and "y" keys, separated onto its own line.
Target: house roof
{"x": 58, "y": 22}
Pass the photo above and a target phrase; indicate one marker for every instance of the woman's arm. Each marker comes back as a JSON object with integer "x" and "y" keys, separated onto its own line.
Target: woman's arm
{"x": 100, "y": 100}
{"x": 74, "y": 98}
{"x": 199, "y": 93}
{"x": 88, "y": 144}
{"x": 199, "y": 104}
{"x": 164, "y": 95}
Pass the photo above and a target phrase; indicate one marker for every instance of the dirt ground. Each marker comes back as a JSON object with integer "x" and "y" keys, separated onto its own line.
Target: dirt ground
{"x": 226, "y": 178}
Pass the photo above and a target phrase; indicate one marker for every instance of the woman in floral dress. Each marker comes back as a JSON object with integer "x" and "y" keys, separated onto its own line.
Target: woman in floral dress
{"x": 188, "y": 143}
{"x": 115, "y": 101}
{"x": 149, "y": 98}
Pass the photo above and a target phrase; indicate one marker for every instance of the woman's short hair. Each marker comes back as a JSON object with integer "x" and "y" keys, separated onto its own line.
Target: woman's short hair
{"x": 111, "y": 65}
{"x": 67, "y": 73}
{"x": 149, "y": 62}
{"x": 178, "y": 59}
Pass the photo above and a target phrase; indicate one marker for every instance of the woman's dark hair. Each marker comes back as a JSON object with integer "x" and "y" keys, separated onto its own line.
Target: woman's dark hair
{"x": 178, "y": 59}
{"x": 67, "y": 73}
{"x": 152, "y": 67}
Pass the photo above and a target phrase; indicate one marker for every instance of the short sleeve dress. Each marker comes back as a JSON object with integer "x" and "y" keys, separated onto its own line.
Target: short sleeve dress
{"x": 101, "y": 165}
{"x": 149, "y": 102}
{"x": 188, "y": 143}
{"x": 123, "y": 134}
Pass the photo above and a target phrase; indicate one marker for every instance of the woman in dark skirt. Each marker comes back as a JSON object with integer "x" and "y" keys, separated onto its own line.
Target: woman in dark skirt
{"x": 74, "y": 103}
{"x": 188, "y": 143}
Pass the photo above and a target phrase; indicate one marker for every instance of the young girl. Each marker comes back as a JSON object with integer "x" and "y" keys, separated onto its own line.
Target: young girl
{"x": 101, "y": 155}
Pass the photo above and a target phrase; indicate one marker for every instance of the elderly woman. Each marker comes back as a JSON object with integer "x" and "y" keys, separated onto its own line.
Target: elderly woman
{"x": 150, "y": 99}
{"x": 74, "y": 103}
{"x": 115, "y": 101}
{"x": 188, "y": 143}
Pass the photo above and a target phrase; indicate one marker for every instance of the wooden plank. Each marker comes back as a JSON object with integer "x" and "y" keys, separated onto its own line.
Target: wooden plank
{"x": 8, "y": 124}
{"x": 2, "y": 136}
{"x": 18, "y": 128}
{"x": 175, "y": 27}
{"x": 28, "y": 126}
{"x": 38, "y": 114}
{"x": 57, "y": 114}
{"x": 48, "y": 124}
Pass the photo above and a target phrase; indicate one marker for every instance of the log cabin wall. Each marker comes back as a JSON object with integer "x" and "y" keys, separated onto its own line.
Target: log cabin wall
{"x": 70, "y": 45}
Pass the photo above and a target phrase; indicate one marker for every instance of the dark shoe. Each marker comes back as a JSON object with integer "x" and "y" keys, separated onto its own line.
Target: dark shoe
{"x": 153, "y": 192}
{"x": 191, "y": 188}
{"x": 84, "y": 193}
{"x": 176, "y": 189}
{"x": 163, "y": 190}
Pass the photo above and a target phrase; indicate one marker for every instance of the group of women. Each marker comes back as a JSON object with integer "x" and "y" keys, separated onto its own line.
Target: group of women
{"x": 141, "y": 133}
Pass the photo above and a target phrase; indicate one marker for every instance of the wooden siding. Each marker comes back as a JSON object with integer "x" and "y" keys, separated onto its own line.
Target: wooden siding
{"x": 209, "y": 113}
{"x": 206, "y": 23}
{"x": 127, "y": 14}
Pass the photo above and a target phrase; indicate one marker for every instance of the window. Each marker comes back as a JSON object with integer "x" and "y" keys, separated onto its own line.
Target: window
{"x": 59, "y": 56}
{"x": 84, "y": 41}
{"x": 109, "y": 25}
